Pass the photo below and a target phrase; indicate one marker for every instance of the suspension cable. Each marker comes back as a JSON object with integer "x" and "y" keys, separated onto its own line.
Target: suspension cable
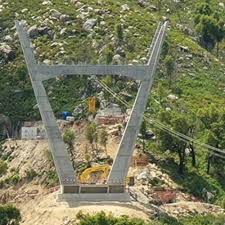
{"x": 161, "y": 126}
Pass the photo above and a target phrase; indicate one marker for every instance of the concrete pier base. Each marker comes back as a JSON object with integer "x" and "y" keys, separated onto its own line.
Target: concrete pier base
{"x": 95, "y": 197}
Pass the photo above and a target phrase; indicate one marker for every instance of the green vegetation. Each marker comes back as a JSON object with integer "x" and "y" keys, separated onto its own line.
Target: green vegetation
{"x": 191, "y": 68}
{"x": 92, "y": 134}
{"x": 170, "y": 67}
{"x": 31, "y": 174}
{"x": 51, "y": 178}
{"x": 210, "y": 26}
{"x": 3, "y": 167}
{"x": 103, "y": 219}
{"x": 9, "y": 215}
{"x": 69, "y": 137}
{"x": 103, "y": 138}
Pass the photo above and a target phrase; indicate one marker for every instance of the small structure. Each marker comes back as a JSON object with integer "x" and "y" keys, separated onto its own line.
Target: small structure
{"x": 29, "y": 133}
{"x": 140, "y": 159}
{"x": 33, "y": 131}
{"x": 110, "y": 116}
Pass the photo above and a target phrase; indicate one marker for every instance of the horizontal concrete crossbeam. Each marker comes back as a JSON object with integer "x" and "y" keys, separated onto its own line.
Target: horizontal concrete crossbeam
{"x": 133, "y": 72}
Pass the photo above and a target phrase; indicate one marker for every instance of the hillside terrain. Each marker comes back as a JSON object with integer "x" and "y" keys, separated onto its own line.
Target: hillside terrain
{"x": 185, "y": 110}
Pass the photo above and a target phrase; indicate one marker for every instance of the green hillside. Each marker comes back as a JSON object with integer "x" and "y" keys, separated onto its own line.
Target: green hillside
{"x": 190, "y": 72}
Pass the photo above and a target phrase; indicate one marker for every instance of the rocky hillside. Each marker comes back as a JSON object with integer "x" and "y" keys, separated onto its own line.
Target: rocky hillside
{"x": 188, "y": 93}
{"x": 89, "y": 32}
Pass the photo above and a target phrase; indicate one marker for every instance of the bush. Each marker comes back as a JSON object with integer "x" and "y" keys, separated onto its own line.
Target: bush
{"x": 31, "y": 174}
{"x": 52, "y": 178}
{"x": 9, "y": 215}
{"x": 14, "y": 179}
{"x": 69, "y": 137}
{"x": 3, "y": 167}
{"x": 102, "y": 219}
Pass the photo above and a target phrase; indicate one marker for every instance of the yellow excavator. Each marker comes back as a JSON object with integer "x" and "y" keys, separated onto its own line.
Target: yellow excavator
{"x": 96, "y": 174}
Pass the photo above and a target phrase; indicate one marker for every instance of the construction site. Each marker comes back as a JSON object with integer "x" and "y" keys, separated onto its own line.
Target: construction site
{"x": 114, "y": 185}
{"x": 107, "y": 116}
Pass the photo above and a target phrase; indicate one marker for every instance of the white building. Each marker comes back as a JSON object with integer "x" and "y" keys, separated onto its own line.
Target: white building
{"x": 29, "y": 133}
{"x": 32, "y": 131}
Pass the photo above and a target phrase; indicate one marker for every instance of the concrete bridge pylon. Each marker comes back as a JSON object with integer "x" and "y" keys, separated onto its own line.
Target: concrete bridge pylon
{"x": 114, "y": 189}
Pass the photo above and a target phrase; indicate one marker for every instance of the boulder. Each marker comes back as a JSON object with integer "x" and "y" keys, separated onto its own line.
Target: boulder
{"x": 43, "y": 30}
{"x": 222, "y": 5}
{"x": 33, "y": 32}
{"x": 64, "y": 18}
{"x": 102, "y": 156}
{"x": 46, "y": 3}
{"x": 7, "y": 52}
{"x": 117, "y": 59}
{"x": 89, "y": 24}
{"x": 47, "y": 61}
{"x": 172, "y": 97}
{"x": 24, "y": 10}
{"x": 8, "y": 38}
{"x": 143, "y": 3}
{"x": 125, "y": 7}
{"x": 63, "y": 32}
{"x": 55, "y": 13}
{"x": 153, "y": 7}
{"x": 143, "y": 176}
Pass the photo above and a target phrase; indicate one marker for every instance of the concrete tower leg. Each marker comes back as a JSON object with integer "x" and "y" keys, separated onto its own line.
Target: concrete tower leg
{"x": 61, "y": 159}
{"x": 121, "y": 164}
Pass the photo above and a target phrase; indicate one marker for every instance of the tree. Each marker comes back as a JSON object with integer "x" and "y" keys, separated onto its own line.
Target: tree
{"x": 109, "y": 57}
{"x": 159, "y": 5}
{"x": 103, "y": 138}
{"x": 215, "y": 138}
{"x": 119, "y": 33}
{"x": 170, "y": 68}
{"x": 209, "y": 26}
{"x": 182, "y": 124}
{"x": 69, "y": 137}
{"x": 206, "y": 29}
{"x": 214, "y": 121}
{"x": 108, "y": 80}
{"x": 91, "y": 134}
{"x": 9, "y": 215}
{"x": 219, "y": 35}
{"x": 143, "y": 128}
{"x": 202, "y": 9}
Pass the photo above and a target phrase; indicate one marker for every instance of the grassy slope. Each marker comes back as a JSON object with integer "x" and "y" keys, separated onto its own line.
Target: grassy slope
{"x": 200, "y": 87}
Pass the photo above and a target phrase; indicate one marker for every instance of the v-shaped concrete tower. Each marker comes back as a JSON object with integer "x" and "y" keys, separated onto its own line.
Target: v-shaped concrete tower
{"x": 114, "y": 190}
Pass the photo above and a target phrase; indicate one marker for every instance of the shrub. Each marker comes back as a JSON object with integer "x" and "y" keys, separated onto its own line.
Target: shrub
{"x": 102, "y": 219}
{"x": 31, "y": 174}
{"x": 3, "y": 167}
{"x": 69, "y": 137}
{"x": 52, "y": 178}
{"x": 9, "y": 215}
{"x": 14, "y": 179}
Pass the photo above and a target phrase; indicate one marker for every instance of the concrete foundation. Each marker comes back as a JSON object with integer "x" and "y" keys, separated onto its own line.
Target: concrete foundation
{"x": 96, "y": 197}
{"x": 70, "y": 189}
